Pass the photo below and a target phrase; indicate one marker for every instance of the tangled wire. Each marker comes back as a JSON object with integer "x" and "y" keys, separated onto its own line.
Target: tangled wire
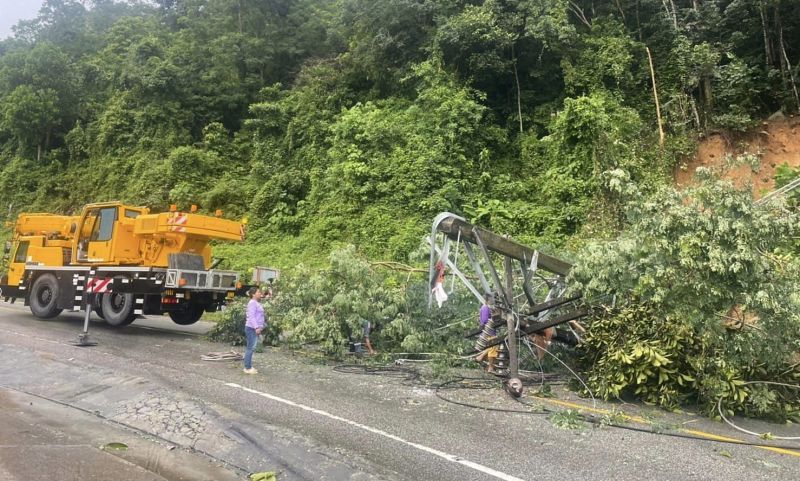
{"x": 410, "y": 376}
{"x": 222, "y": 356}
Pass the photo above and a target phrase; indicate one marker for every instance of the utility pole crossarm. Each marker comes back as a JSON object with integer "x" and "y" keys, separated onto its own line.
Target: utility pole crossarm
{"x": 451, "y": 226}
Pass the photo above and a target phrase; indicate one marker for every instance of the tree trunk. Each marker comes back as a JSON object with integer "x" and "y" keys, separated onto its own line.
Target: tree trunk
{"x": 519, "y": 92}
{"x": 47, "y": 140}
{"x": 767, "y": 51}
{"x": 670, "y": 9}
{"x": 674, "y": 14}
{"x": 578, "y": 11}
{"x": 781, "y": 58}
{"x": 655, "y": 96}
{"x": 707, "y": 93}
{"x": 638, "y": 22}
{"x": 621, "y": 12}
{"x": 240, "y": 17}
{"x": 695, "y": 113}
{"x": 789, "y": 69}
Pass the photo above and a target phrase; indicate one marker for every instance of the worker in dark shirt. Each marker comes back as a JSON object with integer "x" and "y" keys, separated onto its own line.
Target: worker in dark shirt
{"x": 366, "y": 327}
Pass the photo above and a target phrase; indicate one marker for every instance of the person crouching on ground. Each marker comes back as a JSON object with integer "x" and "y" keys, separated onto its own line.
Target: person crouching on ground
{"x": 253, "y": 327}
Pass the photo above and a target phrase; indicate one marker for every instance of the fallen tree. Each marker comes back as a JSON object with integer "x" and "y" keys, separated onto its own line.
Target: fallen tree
{"x": 700, "y": 296}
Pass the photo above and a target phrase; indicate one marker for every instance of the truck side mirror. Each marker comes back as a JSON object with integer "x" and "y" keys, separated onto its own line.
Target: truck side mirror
{"x": 7, "y": 248}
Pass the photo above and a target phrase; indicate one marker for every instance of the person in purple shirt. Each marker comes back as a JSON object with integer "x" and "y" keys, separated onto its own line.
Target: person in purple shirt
{"x": 490, "y": 354}
{"x": 254, "y": 325}
{"x": 484, "y": 315}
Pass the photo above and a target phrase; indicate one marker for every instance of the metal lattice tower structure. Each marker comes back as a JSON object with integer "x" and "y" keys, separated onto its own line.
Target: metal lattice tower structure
{"x": 524, "y": 299}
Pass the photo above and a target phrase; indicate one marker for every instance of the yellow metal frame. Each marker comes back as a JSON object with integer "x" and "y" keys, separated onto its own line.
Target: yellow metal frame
{"x": 136, "y": 237}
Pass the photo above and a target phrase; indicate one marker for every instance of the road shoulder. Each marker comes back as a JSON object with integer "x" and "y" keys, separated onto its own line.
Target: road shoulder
{"x": 40, "y": 436}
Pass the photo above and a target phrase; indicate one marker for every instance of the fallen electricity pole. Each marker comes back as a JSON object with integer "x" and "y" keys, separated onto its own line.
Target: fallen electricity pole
{"x": 518, "y": 306}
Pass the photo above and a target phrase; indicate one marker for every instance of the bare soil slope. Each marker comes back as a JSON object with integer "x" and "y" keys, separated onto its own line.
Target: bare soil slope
{"x": 776, "y": 142}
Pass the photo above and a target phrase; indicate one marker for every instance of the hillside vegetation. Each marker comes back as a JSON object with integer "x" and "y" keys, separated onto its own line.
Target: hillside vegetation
{"x": 335, "y": 122}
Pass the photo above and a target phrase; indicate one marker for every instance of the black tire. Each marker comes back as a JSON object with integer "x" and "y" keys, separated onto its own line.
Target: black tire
{"x": 117, "y": 309}
{"x": 98, "y": 306}
{"x": 192, "y": 314}
{"x": 44, "y": 297}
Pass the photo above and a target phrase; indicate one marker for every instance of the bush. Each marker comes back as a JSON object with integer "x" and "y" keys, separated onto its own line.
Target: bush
{"x": 706, "y": 299}
{"x": 230, "y": 326}
{"x": 327, "y": 307}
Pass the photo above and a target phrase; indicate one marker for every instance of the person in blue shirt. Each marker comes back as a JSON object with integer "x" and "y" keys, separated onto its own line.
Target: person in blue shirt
{"x": 253, "y": 327}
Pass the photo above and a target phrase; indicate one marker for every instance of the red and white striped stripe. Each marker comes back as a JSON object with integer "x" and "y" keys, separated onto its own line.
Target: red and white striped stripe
{"x": 178, "y": 221}
{"x": 97, "y": 284}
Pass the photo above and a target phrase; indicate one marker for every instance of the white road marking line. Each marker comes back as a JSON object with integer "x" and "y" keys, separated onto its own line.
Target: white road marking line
{"x": 449, "y": 457}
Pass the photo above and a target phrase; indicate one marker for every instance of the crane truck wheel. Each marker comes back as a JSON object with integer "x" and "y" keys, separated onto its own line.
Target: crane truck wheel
{"x": 44, "y": 297}
{"x": 98, "y": 307}
{"x": 191, "y": 315}
{"x": 117, "y": 308}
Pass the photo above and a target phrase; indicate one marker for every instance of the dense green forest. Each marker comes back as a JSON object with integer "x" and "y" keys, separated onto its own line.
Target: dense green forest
{"x": 359, "y": 120}
{"x": 335, "y": 122}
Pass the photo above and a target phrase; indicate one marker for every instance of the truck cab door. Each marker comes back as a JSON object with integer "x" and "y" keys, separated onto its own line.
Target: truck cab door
{"x": 97, "y": 235}
{"x": 16, "y": 268}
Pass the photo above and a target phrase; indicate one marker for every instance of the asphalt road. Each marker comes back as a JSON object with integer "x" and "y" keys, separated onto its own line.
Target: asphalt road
{"x": 309, "y": 422}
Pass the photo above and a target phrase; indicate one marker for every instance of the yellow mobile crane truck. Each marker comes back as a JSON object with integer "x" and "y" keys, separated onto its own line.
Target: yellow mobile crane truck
{"x": 135, "y": 262}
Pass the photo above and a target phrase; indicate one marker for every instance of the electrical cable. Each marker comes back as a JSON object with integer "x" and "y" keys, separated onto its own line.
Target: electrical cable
{"x": 761, "y": 435}
{"x": 594, "y": 401}
{"x": 580, "y": 380}
{"x": 402, "y": 360}
{"x": 538, "y": 362}
{"x": 541, "y": 410}
{"x": 404, "y": 374}
{"x": 452, "y": 324}
{"x": 439, "y": 395}
{"x": 222, "y": 356}
{"x": 689, "y": 436}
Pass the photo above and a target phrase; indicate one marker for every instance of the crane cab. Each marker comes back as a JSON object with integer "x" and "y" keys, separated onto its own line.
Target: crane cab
{"x": 105, "y": 235}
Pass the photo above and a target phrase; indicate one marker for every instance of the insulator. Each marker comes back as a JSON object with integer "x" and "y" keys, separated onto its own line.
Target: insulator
{"x": 501, "y": 362}
{"x": 502, "y": 355}
{"x": 486, "y": 336}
